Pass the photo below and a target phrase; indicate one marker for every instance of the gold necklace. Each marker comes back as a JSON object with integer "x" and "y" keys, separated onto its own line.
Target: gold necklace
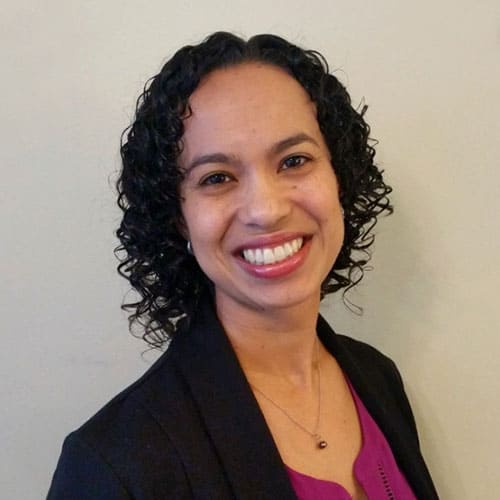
{"x": 321, "y": 443}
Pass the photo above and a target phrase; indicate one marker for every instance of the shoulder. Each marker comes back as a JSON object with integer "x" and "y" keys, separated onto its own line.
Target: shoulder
{"x": 357, "y": 356}
{"x": 380, "y": 371}
{"x": 374, "y": 375}
{"x": 125, "y": 446}
{"x": 370, "y": 359}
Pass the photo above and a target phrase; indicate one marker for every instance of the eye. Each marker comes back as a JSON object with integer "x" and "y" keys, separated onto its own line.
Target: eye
{"x": 295, "y": 161}
{"x": 214, "y": 179}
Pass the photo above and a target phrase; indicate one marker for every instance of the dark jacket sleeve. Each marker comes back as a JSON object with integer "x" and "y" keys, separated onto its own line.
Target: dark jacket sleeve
{"x": 120, "y": 453}
{"x": 82, "y": 474}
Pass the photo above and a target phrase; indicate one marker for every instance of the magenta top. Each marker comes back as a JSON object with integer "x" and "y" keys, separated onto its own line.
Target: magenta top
{"x": 375, "y": 468}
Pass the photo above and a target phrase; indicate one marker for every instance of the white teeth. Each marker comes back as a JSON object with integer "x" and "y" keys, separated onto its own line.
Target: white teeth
{"x": 279, "y": 253}
{"x": 268, "y": 256}
{"x": 259, "y": 257}
{"x": 271, "y": 255}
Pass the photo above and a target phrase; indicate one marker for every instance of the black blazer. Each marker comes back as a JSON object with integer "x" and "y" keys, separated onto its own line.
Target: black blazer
{"x": 190, "y": 427}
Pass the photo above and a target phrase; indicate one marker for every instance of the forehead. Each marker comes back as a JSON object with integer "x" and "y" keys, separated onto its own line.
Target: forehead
{"x": 251, "y": 81}
{"x": 247, "y": 104}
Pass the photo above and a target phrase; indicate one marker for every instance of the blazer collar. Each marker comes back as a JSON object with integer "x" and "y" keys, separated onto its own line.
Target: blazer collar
{"x": 231, "y": 414}
{"x": 380, "y": 388}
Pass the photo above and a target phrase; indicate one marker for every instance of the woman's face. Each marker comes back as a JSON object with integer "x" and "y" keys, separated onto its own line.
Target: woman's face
{"x": 260, "y": 198}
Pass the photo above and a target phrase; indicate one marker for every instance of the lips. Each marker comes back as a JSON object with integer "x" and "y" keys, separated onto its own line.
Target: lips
{"x": 272, "y": 254}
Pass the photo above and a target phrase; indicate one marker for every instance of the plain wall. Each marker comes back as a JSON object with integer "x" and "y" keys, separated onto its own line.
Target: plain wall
{"x": 430, "y": 71}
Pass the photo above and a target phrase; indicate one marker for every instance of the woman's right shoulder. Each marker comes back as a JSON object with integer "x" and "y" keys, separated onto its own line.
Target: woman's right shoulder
{"x": 126, "y": 445}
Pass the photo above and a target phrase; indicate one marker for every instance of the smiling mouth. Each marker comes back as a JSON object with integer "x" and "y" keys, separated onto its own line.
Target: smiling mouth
{"x": 263, "y": 256}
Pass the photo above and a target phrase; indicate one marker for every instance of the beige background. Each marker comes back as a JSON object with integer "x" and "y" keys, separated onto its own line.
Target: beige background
{"x": 430, "y": 71}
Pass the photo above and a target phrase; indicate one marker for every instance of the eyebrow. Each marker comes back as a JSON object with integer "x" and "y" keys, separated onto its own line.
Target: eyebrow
{"x": 293, "y": 140}
{"x": 211, "y": 158}
{"x": 275, "y": 149}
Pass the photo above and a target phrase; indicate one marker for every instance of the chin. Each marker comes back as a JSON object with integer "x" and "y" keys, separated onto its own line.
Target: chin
{"x": 273, "y": 300}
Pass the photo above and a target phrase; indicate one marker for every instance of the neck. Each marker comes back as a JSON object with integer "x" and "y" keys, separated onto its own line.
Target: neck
{"x": 280, "y": 344}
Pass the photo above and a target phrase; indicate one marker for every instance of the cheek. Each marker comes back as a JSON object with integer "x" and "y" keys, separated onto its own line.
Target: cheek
{"x": 325, "y": 205}
{"x": 202, "y": 224}
{"x": 190, "y": 220}
{"x": 324, "y": 201}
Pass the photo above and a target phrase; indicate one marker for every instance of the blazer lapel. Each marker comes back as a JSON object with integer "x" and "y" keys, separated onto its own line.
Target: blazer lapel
{"x": 231, "y": 415}
{"x": 386, "y": 402}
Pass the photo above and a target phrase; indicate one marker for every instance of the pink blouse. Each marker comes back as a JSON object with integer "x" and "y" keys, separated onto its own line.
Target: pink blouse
{"x": 375, "y": 469}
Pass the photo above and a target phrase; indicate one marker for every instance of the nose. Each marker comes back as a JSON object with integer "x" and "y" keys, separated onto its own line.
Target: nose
{"x": 265, "y": 202}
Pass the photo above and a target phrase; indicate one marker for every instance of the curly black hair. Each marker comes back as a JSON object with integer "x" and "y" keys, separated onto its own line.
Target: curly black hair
{"x": 152, "y": 250}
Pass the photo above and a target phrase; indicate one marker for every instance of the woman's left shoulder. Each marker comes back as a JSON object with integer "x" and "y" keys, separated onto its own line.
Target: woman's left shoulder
{"x": 376, "y": 375}
{"x": 350, "y": 352}
{"x": 367, "y": 354}
{"x": 372, "y": 373}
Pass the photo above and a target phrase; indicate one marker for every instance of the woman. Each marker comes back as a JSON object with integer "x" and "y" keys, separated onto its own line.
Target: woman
{"x": 249, "y": 191}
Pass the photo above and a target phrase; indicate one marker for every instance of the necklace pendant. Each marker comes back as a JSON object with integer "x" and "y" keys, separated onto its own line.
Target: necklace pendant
{"x": 322, "y": 444}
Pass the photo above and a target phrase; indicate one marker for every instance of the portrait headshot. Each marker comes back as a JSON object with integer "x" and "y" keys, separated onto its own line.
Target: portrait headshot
{"x": 239, "y": 251}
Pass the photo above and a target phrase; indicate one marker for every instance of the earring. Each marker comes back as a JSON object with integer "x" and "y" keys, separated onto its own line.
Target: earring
{"x": 189, "y": 247}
